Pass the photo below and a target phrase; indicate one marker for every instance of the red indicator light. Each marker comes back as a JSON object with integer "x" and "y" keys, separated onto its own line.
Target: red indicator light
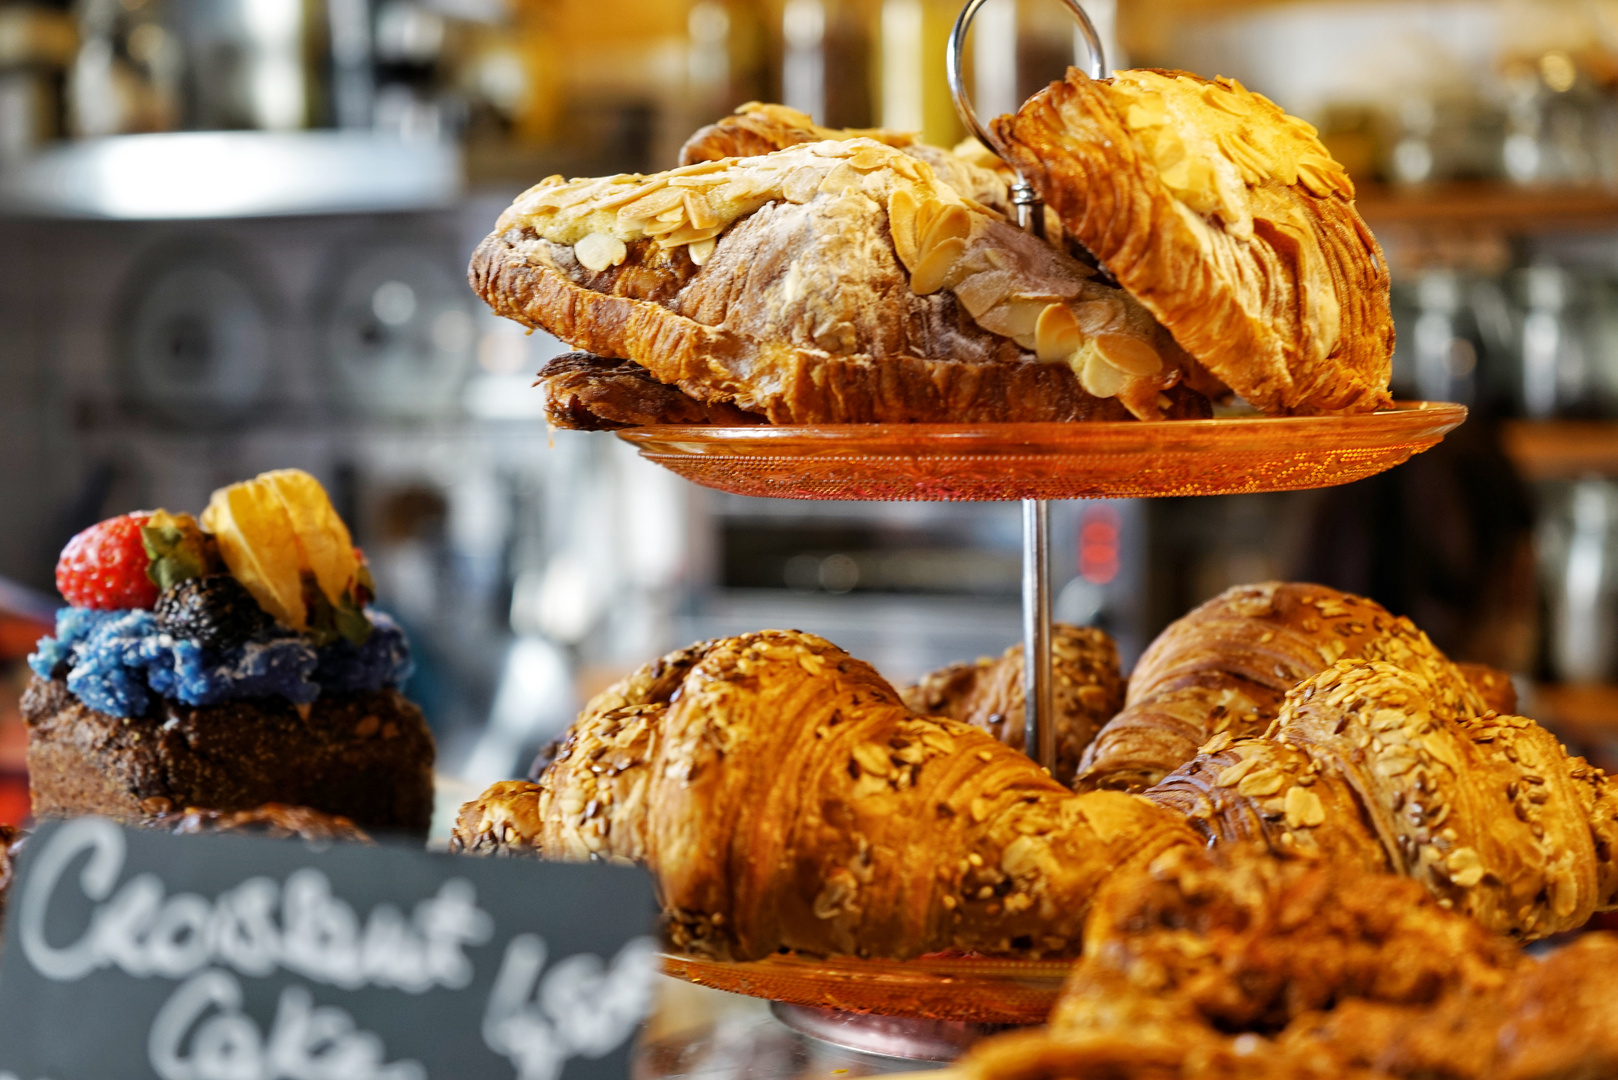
{"x": 1098, "y": 545}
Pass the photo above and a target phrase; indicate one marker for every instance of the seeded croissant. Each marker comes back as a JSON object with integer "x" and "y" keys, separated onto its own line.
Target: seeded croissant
{"x": 830, "y": 282}
{"x": 1226, "y": 666}
{"x": 786, "y": 798}
{"x": 1368, "y": 766}
{"x": 1228, "y": 220}
{"x": 1086, "y": 691}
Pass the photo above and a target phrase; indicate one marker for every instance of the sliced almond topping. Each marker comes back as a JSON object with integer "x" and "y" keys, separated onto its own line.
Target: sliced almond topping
{"x": 801, "y": 184}
{"x": 689, "y": 235}
{"x": 701, "y": 250}
{"x": 699, "y": 211}
{"x": 698, "y": 182}
{"x": 979, "y": 292}
{"x": 902, "y": 211}
{"x": 1016, "y": 318}
{"x": 1129, "y": 354}
{"x": 948, "y": 222}
{"x": 1098, "y": 316}
{"x": 933, "y": 271}
{"x": 1227, "y": 100}
{"x": 634, "y": 189}
{"x": 599, "y": 251}
{"x": 1056, "y": 334}
{"x": 1148, "y": 110}
{"x": 867, "y": 158}
{"x": 1098, "y": 377}
{"x": 700, "y": 168}
{"x": 841, "y": 179}
{"x": 1168, "y": 152}
{"x": 657, "y": 202}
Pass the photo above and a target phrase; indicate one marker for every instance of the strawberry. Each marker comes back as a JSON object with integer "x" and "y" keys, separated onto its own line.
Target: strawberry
{"x": 104, "y": 567}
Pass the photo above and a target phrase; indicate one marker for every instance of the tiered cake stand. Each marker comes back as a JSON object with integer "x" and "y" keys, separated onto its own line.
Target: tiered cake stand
{"x": 932, "y": 1008}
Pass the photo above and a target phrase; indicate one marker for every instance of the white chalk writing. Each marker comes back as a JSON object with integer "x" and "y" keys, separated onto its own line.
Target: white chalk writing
{"x": 201, "y": 1033}
{"x": 144, "y": 931}
{"x": 583, "y": 1008}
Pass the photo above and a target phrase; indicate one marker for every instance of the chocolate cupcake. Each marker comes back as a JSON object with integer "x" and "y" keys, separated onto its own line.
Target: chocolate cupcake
{"x": 222, "y": 665}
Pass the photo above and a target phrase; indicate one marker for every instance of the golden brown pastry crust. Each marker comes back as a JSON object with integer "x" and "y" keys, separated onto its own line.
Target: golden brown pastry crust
{"x": 786, "y": 798}
{"x": 1228, "y": 221}
{"x": 1227, "y": 665}
{"x": 829, "y": 283}
{"x": 590, "y": 393}
{"x": 1554, "y": 1018}
{"x": 1235, "y": 966}
{"x": 1494, "y": 686}
{"x": 1085, "y": 682}
{"x": 758, "y": 128}
{"x": 1368, "y": 767}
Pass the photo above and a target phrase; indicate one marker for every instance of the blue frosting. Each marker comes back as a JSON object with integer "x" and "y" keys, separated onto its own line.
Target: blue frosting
{"x": 117, "y": 660}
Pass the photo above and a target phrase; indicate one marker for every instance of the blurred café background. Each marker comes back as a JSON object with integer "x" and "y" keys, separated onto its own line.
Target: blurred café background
{"x": 233, "y": 236}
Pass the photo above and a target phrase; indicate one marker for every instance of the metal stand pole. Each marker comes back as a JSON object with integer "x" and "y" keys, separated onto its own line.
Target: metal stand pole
{"x": 1039, "y": 724}
{"x": 1039, "y": 730}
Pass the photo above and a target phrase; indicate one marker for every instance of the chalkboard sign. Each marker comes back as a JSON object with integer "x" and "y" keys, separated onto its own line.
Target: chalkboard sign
{"x": 133, "y": 955}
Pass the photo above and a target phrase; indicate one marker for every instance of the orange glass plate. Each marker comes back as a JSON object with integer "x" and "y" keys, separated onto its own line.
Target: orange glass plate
{"x": 935, "y": 462}
{"x": 979, "y": 990}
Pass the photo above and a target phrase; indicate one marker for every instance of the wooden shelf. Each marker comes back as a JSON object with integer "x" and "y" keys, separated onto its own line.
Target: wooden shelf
{"x": 1562, "y": 449}
{"x": 1488, "y": 207}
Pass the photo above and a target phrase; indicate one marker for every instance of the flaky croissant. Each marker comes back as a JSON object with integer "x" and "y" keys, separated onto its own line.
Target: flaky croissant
{"x": 831, "y": 282}
{"x": 785, "y": 797}
{"x": 592, "y": 393}
{"x": 1227, "y": 665}
{"x": 1229, "y": 220}
{"x": 1368, "y": 767}
{"x": 758, "y": 128}
{"x": 1086, "y": 689}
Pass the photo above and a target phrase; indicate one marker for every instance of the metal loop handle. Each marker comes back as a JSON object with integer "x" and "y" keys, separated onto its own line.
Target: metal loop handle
{"x": 957, "y": 81}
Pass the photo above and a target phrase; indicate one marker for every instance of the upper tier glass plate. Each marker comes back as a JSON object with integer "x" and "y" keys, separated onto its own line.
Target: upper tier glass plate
{"x": 1099, "y": 460}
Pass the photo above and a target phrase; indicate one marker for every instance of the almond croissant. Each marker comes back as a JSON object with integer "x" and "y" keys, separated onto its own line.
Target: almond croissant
{"x": 1227, "y": 665}
{"x": 1229, "y": 220}
{"x": 757, "y": 128}
{"x": 831, "y": 282}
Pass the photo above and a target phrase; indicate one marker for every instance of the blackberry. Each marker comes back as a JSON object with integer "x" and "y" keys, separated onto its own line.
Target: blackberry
{"x": 215, "y": 611}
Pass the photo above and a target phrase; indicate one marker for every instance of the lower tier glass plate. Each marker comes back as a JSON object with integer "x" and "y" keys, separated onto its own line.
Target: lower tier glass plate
{"x": 972, "y": 990}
